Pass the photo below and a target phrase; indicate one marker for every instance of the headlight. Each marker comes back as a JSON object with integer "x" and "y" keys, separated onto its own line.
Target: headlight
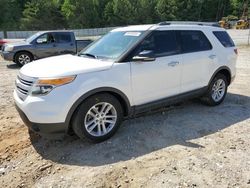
{"x": 8, "y": 48}
{"x": 44, "y": 86}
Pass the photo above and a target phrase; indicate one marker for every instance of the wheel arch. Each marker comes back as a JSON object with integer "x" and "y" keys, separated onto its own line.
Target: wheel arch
{"x": 225, "y": 71}
{"x": 122, "y": 98}
{"x": 26, "y": 51}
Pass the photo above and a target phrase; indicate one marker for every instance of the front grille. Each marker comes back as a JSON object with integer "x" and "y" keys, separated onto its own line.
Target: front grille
{"x": 24, "y": 85}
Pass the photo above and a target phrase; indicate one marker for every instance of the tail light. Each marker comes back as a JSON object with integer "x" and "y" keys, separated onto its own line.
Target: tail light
{"x": 236, "y": 51}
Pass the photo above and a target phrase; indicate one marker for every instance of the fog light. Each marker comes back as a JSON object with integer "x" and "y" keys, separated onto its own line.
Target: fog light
{"x": 41, "y": 90}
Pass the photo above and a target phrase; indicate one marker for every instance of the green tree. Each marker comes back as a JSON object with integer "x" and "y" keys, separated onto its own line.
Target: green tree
{"x": 189, "y": 10}
{"x": 109, "y": 13}
{"x": 81, "y": 13}
{"x": 120, "y": 12}
{"x": 58, "y": 14}
{"x": 166, "y": 9}
{"x": 11, "y": 12}
{"x": 145, "y": 12}
{"x": 42, "y": 15}
{"x": 101, "y": 12}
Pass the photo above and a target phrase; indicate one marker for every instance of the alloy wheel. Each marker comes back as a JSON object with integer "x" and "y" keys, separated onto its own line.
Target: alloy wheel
{"x": 218, "y": 90}
{"x": 24, "y": 59}
{"x": 100, "y": 119}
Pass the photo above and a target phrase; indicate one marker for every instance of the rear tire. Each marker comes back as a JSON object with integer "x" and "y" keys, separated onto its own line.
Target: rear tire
{"x": 217, "y": 91}
{"x": 22, "y": 58}
{"x": 98, "y": 118}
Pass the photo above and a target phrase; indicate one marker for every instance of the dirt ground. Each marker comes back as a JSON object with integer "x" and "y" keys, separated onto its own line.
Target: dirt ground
{"x": 189, "y": 145}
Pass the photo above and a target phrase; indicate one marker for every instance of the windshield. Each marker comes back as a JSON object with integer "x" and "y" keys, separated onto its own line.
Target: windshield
{"x": 32, "y": 37}
{"x": 112, "y": 45}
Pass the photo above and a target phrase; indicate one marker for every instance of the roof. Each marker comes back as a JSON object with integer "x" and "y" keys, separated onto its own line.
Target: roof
{"x": 175, "y": 25}
{"x": 54, "y": 31}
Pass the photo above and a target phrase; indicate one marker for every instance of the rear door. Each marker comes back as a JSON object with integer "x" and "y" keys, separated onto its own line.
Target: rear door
{"x": 197, "y": 59}
{"x": 65, "y": 43}
{"x": 155, "y": 80}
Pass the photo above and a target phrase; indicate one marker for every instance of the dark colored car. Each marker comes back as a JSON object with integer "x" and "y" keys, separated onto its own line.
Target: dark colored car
{"x": 43, "y": 44}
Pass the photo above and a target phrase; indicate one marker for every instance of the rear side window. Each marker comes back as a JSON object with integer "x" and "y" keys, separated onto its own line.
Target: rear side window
{"x": 63, "y": 37}
{"x": 224, "y": 38}
{"x": 194, "y": 41}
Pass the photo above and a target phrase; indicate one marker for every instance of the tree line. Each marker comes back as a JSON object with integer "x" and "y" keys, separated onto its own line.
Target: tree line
{"x": 77, "y": 14}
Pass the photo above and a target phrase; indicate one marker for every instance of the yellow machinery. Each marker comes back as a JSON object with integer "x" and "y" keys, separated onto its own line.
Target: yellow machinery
{"x": 242, "y": 24}
{"x": 224, "y": 23}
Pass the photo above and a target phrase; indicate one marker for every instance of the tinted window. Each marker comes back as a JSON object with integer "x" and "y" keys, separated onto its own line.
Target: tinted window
{"x": 63, "y": 37}
{"x": 162, "y": 43}
{"x": 224, "y": 38}
{"x": 194, "y": 41}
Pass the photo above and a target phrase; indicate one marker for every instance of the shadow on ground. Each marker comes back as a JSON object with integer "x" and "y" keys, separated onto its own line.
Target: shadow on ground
{"x": 149, "y": 133}
{"x": 12, "y": 66}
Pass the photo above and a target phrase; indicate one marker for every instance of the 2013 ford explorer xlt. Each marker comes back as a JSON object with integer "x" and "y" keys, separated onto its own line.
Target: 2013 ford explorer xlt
{"x": 127, "y": 72}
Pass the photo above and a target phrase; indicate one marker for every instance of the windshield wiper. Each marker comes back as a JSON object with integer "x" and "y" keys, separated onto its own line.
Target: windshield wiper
{"x": 89, "y": 55}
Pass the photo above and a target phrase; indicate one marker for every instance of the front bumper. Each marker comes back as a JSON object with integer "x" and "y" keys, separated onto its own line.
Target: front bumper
{"x": 43, "y": 129}
{"x": 9, "y": 56}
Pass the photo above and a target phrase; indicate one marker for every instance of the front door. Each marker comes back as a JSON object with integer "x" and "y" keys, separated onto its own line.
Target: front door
{"x": 46, "y": 46}
{"x": 158, "y": 79}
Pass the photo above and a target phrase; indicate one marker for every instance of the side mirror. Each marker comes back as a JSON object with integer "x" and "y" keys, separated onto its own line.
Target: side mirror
{"x": 145, "y": 55}
{"x": 41, "y": 41}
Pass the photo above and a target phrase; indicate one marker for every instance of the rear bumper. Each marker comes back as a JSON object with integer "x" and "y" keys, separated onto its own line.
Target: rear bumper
{"x": 9, "y": 56}
{"x": 43, "y": 129}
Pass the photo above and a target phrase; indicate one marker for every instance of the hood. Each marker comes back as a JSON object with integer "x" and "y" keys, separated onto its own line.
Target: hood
{"x": 64, "y": 65}
{"x": 16, "y": 43}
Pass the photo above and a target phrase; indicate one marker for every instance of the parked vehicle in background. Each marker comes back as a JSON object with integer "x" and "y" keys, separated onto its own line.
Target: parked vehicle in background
{"x": 43, "y": 44}
{"x": 2, "y": 42}
{"x": 5, "y": 41}
{"x": 127, "y": 72}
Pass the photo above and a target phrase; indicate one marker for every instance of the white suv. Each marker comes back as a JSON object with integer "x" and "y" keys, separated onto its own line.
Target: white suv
{"x": 127, "y": 72}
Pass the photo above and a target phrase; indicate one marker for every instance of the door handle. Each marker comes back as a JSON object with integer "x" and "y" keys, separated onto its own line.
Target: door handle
{"x": 212, "y": 56}
{"x": 173, "y": 63}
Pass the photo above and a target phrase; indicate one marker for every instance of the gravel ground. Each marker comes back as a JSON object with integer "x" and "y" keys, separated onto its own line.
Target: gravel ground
{"x": 189, "y": 145}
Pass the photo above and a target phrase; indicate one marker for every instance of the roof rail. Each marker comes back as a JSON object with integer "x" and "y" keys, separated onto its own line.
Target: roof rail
{"x": 213, "y": 24}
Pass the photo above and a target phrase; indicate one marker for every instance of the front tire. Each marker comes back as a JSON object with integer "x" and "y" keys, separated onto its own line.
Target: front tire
{"x": 22, "y": 58}
{"x": 98, "y": 118}
{"x": 217, "y": 90}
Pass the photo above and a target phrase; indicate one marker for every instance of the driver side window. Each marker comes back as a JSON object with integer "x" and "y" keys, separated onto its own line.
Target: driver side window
{"x": 45, "y": 39}
{"x": 161, "y": 43}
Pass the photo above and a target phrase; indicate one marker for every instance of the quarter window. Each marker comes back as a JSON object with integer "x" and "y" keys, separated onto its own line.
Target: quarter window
{"x": 224, "y": 38}
{"x": 194, "y": 41}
